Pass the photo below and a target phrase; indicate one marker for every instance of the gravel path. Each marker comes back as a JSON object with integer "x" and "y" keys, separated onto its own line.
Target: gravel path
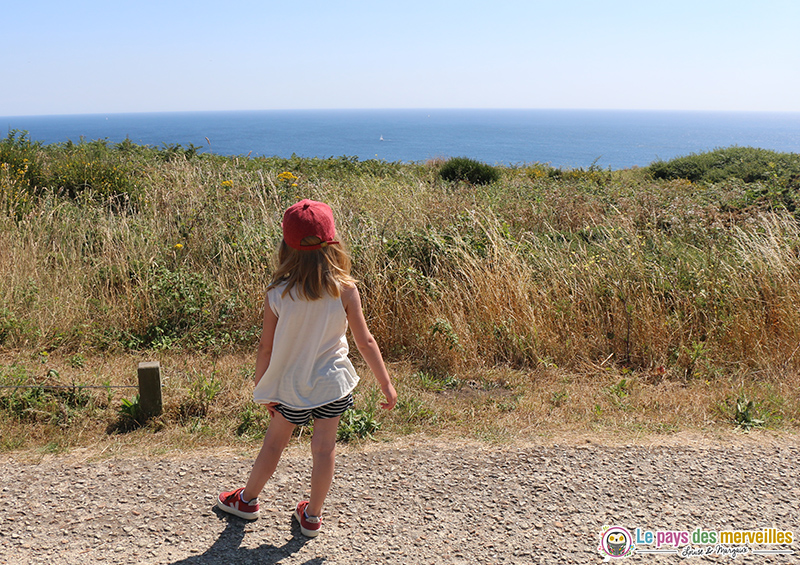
{"x": 414, "y": 501}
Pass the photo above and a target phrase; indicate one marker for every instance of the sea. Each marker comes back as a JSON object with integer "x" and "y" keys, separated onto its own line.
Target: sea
{"x": 608, "y": 139}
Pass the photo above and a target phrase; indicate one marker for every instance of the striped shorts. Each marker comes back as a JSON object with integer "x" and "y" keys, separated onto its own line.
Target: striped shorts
{"x": 302, "y": 417}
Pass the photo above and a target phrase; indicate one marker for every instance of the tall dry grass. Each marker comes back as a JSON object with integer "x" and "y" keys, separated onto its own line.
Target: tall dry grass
{"x": 528, "y": 272}
{"x": 545, "y": 290}
{"x": 642, "y": 298}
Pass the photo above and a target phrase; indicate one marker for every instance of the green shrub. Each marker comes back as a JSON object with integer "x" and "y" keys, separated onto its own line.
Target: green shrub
{"x": 175, "y": 151}
{"x": 435, "y": 383}
{"x": 21, "y": 172}
{"x": 130, "y": 416}
{"x": 468, "y": 170}
{"x": 593, "y": 174}
{"x": 186, "y": 304}
{"x": 91, "y": 169}
{"x": 19, "y": 156}
{"x": 357, "y": 424}
{"x": 24, "y": 403}
{"x": 9, "y": 325}
{"x": 746, "y": 414}
{"x": 328, "y": 167}
{"x": 745, "y": 163}
{"x": 202, "y": 392}
{"x": 254, "y": 420}
{"x": 69, "y": 169}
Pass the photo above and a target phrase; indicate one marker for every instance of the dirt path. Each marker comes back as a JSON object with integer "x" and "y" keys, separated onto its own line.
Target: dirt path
{"x": 413, "y": 501}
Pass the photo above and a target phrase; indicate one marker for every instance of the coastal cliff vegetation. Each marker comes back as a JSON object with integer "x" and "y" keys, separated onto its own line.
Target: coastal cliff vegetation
{"x": 585, "y": 295}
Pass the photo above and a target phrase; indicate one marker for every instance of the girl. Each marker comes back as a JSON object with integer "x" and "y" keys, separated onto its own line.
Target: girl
{"x": 302, "y": 366}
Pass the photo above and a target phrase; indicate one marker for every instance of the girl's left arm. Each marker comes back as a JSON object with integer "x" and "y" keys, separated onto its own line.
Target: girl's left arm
{"x": 367, "y": 345}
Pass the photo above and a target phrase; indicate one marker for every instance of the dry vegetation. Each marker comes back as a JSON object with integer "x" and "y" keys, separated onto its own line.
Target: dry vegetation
{"x": 587, "y": 300}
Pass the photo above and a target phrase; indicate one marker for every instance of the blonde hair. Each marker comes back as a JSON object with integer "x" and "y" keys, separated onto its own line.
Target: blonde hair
{"x": 314, "y": 273}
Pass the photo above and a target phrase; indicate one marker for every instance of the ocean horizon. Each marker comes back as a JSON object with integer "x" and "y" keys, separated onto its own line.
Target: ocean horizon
{"x": 615, "y": 139}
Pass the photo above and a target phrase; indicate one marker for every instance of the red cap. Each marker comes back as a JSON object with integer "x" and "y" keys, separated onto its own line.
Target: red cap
{"x": 305, "y": 219}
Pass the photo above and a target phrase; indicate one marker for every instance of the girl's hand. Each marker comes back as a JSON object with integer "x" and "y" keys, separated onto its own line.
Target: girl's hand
{"x": 391, "y": 397}
{"x": 271, "y": 409}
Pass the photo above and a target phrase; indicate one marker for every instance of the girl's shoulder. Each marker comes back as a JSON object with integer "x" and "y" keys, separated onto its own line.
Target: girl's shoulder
{"x": 276, "y": 289}
{"x": 281, "y": 283}
{"x": 350, "y": 295}
{"x": 349, "y": 288}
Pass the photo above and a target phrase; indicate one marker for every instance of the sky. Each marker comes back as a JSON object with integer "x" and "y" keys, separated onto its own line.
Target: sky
{"x": 120, "y": 56}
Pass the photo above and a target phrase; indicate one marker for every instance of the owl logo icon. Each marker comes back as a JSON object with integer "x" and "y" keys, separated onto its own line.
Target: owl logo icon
{"x": 616, "y": 541}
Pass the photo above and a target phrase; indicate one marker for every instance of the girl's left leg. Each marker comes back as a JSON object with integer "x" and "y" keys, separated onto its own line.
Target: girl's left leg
{"x": 323, "y": 450}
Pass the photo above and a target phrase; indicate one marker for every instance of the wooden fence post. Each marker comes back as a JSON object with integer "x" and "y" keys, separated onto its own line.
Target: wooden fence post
{"x": 150, "y": 388}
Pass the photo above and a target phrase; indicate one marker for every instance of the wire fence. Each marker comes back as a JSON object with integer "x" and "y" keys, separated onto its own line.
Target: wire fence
{"x": 69, "y": 387}
{"x": 149, "y": 400}
{"x": 64, "y": 387}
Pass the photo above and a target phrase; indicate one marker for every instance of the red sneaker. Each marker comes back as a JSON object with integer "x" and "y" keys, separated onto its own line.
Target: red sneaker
{"x": 309, "y": 525}
{"x": 232, "y": 503}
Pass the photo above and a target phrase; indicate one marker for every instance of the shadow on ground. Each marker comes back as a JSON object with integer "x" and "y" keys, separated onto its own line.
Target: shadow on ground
{"x": 227, "y": 551}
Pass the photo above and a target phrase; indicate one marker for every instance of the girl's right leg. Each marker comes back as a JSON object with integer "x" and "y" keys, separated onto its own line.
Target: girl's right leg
{"x": 278, "y": 435}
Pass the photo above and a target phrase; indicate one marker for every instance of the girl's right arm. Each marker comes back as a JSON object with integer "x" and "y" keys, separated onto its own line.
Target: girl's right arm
{"x": 265, "y": 344}
{"x": 367, "y": 345}
{"x": 264, "y": 354}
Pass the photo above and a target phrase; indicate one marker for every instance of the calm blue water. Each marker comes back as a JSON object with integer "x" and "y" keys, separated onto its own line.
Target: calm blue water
{"x": 562, "y": 138}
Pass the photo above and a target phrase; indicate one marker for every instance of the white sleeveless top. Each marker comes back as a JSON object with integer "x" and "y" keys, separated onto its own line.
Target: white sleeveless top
{"x": 309, "y": 366}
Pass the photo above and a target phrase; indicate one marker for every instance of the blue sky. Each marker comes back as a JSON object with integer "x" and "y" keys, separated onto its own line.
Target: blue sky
{"x": 102, "y": 56}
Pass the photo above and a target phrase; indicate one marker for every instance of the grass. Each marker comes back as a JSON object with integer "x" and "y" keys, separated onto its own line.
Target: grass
{"x": 506, "y": 405}
{"x": 581, "y": 299}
